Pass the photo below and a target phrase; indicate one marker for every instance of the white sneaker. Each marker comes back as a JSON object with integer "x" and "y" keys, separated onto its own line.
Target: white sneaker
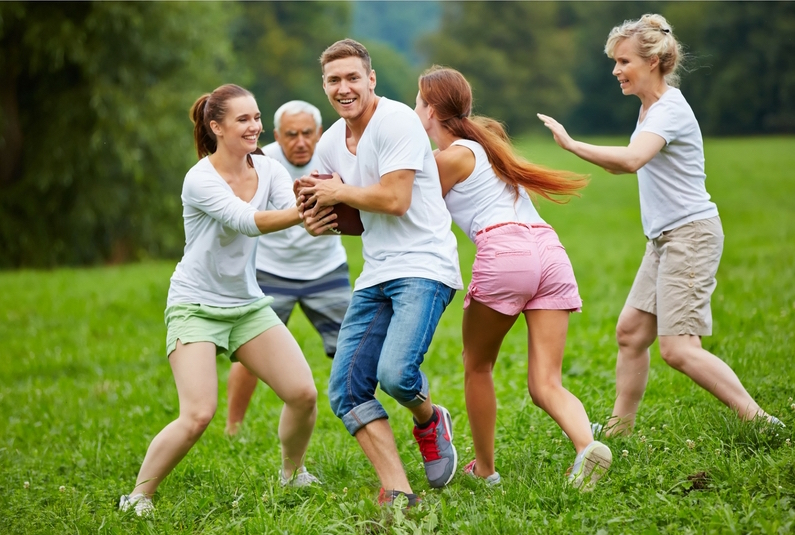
{"x": 590, "y": 465}
{"x": 775, "y": 421}
{"x": 300, "y": 478}
{"x": 142, "y": 505}
{"x": 596, "y": 429}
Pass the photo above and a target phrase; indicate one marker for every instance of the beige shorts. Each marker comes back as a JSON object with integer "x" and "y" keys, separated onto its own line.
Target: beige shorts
{"x": 677, "y": 277}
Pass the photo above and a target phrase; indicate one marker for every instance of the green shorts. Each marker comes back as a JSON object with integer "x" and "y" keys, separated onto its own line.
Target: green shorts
{"x": 226, "y": 327}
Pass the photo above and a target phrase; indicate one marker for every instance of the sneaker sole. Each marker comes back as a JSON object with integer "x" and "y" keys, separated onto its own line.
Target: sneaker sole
{"x": 448, "y": 422}
{"x": 595, "y": 465}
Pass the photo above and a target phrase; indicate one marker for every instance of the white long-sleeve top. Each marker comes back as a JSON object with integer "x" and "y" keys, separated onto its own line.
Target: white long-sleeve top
{"x": 218, "y": 265}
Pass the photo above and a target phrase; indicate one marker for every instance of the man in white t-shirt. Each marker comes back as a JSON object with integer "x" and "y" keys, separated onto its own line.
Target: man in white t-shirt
{"x": 410, "y": 273}
{"x": 292, "y": 266}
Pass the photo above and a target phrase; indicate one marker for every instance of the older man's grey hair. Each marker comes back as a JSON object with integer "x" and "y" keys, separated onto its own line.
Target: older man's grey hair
{"x": 294, "y": 107}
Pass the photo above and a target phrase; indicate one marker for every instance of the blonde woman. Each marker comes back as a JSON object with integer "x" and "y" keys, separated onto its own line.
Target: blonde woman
{"x": 670, "y": 298}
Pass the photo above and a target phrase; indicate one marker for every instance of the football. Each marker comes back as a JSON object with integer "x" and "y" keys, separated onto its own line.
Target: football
{"x": 348, "y": 220}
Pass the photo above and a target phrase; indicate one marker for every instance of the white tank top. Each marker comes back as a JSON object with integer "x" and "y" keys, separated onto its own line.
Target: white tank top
{"x": 482, "y": 199}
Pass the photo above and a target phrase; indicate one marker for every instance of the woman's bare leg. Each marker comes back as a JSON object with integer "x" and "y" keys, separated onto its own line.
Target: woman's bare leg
{"x": 685, "y": 354}
{"x": 483, "y": 332}
{"x": 274, "y": 357}
{"x": 196, "y": 377}
{"x": 546, "y": 341}
{"x": 635, "y": 333}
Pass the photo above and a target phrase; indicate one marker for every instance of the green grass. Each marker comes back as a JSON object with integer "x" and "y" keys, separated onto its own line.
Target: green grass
{"x": 84, "y": 386}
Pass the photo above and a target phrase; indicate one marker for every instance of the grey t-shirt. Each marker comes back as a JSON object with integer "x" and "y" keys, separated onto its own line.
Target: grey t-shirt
{"x": 672, "y": 184}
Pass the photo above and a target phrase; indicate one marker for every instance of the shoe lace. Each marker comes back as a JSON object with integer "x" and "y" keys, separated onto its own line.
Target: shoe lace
{"x": 426, "y": 438}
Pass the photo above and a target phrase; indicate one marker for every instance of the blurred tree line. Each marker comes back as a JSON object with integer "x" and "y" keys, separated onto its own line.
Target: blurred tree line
{"x": 94, "y": 131}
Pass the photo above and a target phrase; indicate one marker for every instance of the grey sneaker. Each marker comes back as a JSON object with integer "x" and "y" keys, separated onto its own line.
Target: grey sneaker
{"x": 493, "y": 479}
{"x": 141, "y": 504}
{"x": 300, "y": 478}
{"x": 436, "y": 446}
{"x": 590, "y": 465}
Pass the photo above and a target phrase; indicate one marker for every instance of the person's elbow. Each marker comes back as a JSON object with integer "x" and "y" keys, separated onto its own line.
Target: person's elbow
{"x": 631, "y": 165}
{"x": 398, "y": 206}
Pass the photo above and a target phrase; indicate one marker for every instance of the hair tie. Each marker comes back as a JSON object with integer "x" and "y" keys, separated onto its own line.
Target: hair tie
{"x": 462, "y": 116}
{"x": 665, "y": 30}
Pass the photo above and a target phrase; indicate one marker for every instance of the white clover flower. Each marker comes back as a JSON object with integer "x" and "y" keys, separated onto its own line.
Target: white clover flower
{"x": 422, "y": 493}
{"x": 26, "y": 484}
{"x": 653, "y": 429}
{"x": 787, "y": 442}
{"x": 717, "y": 451}
{"x": 344, "y": 490}
{"x": 469, "y": 448}
{"x": 643, "y": 438}
{"x": 624, "y": 453}
{"x": 235, "y": 504}
{"x": 690, "y": 443}
{"x": 61, "y": 489}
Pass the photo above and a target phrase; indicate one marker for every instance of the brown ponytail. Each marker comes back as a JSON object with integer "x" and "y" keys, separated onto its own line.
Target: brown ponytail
{"x": 212, "y": 107}
{"x": 450, "y": 95}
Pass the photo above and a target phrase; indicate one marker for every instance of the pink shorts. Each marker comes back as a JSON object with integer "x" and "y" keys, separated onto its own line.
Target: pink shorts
{"x": 522, "y": 267}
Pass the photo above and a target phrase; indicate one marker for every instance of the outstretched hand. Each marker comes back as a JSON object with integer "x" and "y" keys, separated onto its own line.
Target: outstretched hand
{"x": 562, "y": 137}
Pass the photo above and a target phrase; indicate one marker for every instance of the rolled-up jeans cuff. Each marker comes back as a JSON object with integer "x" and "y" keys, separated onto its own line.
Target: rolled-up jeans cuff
{"x": 420, "y": 398}
{"x": 362, "y": 415}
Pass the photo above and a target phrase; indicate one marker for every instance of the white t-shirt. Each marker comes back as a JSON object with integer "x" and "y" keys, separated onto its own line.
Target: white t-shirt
{"x": 672, "y": 184}
{"x": 293, "y": 253}
{"x": 482, "y": 199}
{"x": 217, "y": 267}
{"x": 419, "y": 243}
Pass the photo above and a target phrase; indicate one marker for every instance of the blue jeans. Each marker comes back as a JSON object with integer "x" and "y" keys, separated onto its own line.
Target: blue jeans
{"x": 384, "y": 337}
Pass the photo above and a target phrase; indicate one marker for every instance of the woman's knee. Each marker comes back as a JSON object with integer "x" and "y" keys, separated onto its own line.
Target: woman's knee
{"x": 630, "y": 335}
{"x": 303, "y": 398}
{"x": 542, "y": 392}
{"x": 198, "y": 417}
{"x": 674, "y": 354}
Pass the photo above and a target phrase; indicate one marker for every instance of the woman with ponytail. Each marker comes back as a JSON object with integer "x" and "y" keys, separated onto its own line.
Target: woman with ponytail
{"x": 215, "y": 306}
{"x": 520, "y": 268}
{"x": 670, "y": 298}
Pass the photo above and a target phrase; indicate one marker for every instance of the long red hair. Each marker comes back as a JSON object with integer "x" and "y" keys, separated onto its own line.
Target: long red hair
{"x": 450, "y": 95}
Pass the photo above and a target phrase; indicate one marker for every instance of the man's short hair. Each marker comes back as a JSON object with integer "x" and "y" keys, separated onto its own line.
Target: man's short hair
{"x": 346, "y": 48}
{"x": 295, "y": 107}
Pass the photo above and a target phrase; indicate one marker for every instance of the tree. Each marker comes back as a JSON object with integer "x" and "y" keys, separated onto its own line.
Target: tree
{"x": 95, "y": 131}
{"x": 518, "y": 57}
{"x": 280, "y": 44}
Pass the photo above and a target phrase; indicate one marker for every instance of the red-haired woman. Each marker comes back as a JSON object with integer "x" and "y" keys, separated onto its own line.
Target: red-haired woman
{"x": 214, "y": 303}
{"x": 520, "y": 268}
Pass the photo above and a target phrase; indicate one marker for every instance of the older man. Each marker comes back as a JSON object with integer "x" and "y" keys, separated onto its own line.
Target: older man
{"x": 292, "y": 266}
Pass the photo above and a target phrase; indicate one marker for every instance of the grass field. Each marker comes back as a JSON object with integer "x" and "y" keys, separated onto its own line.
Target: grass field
{"x": 84, "y": 386}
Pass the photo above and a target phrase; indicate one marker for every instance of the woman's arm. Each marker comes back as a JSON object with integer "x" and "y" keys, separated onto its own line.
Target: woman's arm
{"x": 615, "y": 160}
{"x": 455, "y": 164}
{"x": 275, "y": 220}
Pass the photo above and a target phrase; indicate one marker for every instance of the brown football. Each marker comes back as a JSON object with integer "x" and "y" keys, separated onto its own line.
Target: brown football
{"x": 348, "y": 220}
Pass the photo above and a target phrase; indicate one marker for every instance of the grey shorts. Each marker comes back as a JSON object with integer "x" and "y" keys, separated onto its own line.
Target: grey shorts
{"x": 677, "y": 277}
{"x": 323, "y": 300}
